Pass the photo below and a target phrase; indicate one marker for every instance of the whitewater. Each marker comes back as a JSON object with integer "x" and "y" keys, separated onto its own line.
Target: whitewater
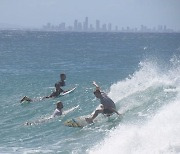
{"x": 149, "y": 100}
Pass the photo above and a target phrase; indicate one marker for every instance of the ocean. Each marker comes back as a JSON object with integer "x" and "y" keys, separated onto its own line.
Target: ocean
{"x": 140, "y": 72}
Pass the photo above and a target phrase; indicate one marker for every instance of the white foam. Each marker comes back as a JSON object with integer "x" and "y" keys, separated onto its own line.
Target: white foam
{"x": 140, "y": 80}
{"x": 160, "y": 133}
{"x": 149, "y": 74}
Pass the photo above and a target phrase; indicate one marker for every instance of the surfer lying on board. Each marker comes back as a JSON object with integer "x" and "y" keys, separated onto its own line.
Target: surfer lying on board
{"x": 56, "y": 93}
{"x": 108, "y": 106}
{"x": 57, "y": 112}
{"x": 58, "y": 86}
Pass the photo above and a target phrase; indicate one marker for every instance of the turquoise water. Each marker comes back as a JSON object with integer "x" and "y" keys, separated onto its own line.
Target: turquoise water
{"x": 140, "y": 72}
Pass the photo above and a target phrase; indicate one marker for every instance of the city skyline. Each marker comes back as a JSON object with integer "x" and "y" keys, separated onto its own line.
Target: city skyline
{"x": 129, "y": 13}
{"x": 85, "y": 26}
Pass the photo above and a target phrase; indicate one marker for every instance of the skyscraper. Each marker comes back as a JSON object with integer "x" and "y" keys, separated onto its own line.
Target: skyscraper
{"x": 85, "y": 24}
{"x": 97, "y": 25}
{"x": 104, "y": 28}
{"x": 109, "y": 27}
{"x": 75, "y": 25}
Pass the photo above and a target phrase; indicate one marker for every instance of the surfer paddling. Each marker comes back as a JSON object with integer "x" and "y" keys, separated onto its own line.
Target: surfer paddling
{"x": 56, "y": 93}
{"x": 58, "y": 86}
{"x": 108, "y": 106}
{"x": 58, "y": 110}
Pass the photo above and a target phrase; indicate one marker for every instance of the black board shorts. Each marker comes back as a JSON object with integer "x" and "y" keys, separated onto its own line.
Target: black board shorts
{"x": 107, "y": 111}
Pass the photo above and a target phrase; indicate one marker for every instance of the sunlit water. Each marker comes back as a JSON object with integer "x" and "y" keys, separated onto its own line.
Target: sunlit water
{"x": 140, "y": 72}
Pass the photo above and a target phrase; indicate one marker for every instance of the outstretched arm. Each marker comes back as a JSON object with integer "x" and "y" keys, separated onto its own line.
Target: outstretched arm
{"x": 95, "y": 84}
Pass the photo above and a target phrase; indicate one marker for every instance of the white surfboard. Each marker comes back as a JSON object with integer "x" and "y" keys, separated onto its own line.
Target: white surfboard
{"x": 42, "y": 98}
{"x": 67, "y": 92}
{"x": 46, "y": 119}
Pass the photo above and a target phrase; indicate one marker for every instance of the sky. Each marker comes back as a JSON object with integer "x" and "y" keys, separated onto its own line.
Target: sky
{"x": 123, "y": 13}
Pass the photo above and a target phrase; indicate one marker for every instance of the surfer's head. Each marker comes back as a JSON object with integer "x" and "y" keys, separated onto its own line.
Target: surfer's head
{"x": 97, "y": 93}
{"x": 63, "y": 77}
{"x": 59, "y": 105}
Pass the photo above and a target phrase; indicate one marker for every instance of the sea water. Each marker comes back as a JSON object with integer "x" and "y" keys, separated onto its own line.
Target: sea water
{"x": 139, "y": 71}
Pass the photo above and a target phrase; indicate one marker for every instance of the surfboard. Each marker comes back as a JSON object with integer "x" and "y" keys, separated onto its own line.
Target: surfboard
{"x": 80, "y": 121}
{"x": 77, "y": 122}
{"x": 46, "y": 119}
{"x": 68, "y": 91}
{"x": 42, "y": 98}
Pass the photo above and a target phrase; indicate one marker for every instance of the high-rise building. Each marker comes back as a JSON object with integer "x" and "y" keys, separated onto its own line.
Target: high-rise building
{"x": 109, "y": 27}
{"x": 97, "y": 25}
{"x": 85, "y": 24}
{"x": 63, "y": 26}
{"x": 160, "y": 28}
{"x": 75, "y": 25}
{"x": 143, "y": 28}
{"x": 164, "y": 28}
{"x": 47, "y": 26}
{"x": 116, "y": 28}
{"x": 104, "y": 28}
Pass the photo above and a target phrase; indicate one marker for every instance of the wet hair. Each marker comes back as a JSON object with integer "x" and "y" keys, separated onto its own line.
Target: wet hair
{"x": 97, "y": 92}
{"x": 60, "y": 103}
{"x": 63, "y": 76}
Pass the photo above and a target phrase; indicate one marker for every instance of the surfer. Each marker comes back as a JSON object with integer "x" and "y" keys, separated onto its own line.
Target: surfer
{"x": 108, "y": 106}
{"x": 58, "y": 110}
{"x": 58, "y": 86}
{"x": 56, "y": 93}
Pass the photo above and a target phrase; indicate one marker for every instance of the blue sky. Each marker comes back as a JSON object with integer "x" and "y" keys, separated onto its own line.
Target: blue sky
{"x": 132, "y": 13}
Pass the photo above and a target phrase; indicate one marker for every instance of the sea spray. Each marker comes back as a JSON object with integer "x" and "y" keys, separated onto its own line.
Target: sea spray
{"x": 158, "y": 132}
{"x": 159, "y": 135}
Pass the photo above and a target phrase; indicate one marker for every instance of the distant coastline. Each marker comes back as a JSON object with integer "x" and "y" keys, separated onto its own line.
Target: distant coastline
{"x": 68, "y": 31}
{"x": 85, "y": 26}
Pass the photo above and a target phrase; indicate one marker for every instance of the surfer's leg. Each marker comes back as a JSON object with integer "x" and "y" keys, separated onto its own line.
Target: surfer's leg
{"x": 25, "y": 98}
{"x": 90, "y": 120}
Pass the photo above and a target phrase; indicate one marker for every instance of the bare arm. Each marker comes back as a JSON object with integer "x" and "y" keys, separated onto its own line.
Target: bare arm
{"x": 95, "y": 84}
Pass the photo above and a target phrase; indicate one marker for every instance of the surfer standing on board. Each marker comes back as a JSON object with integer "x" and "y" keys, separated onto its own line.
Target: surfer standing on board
{"x": 108, "y": 106}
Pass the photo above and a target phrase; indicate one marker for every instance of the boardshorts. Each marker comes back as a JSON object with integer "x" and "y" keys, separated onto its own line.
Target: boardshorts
{"x": 107, "y": 111}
